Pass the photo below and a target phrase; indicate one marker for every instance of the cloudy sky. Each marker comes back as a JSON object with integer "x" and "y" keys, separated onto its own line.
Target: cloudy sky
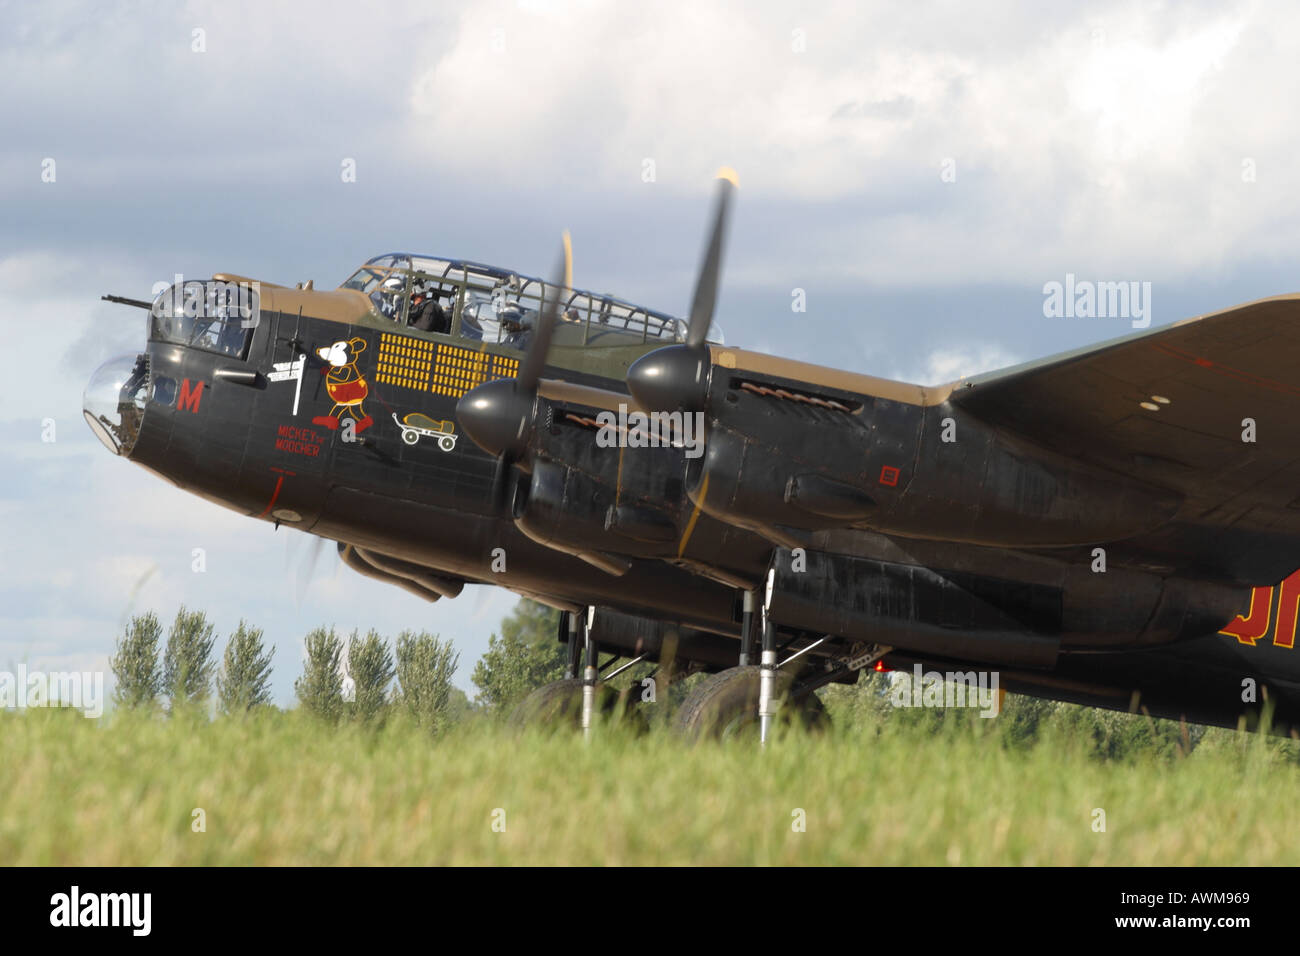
{"x": 920, "y": 171}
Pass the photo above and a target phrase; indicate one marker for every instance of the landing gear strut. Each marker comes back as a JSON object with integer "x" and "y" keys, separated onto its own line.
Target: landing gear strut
{"x": 747, "y": 628}
{"x": 589, "y": 673}
{"x": 767, "y": 700}
{"x": 574, "y": 647}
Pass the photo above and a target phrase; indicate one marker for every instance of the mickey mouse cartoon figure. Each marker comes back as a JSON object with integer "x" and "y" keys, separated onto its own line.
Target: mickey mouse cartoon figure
{"x": 344, "y": 384}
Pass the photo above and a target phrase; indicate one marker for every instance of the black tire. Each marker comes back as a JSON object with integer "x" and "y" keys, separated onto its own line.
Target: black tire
{"x": 558, "y": 706}
{"x": 725, "y": 706}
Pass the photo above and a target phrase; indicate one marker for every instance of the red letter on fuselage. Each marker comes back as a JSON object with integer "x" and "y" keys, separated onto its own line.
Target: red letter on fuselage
{"x": 1254, "y": 625}
{"x": 1288, "y": 604}
{"x": 189, "y": 399}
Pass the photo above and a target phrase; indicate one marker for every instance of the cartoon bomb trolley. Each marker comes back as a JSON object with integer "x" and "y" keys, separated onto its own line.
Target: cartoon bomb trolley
{"x": 344, "y": 384}
{"x": 414, "y": 425}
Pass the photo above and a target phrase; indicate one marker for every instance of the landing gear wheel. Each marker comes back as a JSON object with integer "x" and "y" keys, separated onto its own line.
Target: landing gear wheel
{"x": 558, "y": 706}
{"x": 726, "y": 706}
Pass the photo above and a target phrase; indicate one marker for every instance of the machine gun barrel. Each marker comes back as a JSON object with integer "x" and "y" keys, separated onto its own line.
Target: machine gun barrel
{"x": 123, "y": 300}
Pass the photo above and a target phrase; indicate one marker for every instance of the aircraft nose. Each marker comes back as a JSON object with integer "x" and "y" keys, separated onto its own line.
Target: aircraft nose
{"x": 114, "y": 401}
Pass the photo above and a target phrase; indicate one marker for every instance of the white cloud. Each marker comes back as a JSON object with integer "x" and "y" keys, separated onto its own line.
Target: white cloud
{"x": 1110, "y": 139}
{"x": 951, "y": 364}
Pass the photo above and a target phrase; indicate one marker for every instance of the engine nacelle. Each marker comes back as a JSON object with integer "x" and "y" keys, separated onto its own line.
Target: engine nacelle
{"x": 774, "y": 460}
{"x": 608, "y": 505}
{"x": 569, "y": 510}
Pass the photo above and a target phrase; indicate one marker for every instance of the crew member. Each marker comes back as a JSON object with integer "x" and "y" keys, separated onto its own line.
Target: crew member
{"x": 426, "y": 314}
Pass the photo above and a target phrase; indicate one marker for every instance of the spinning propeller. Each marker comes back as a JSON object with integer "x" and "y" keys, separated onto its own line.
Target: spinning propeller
{"x": 500, "y": 416}
{"x": 676, "y": 376}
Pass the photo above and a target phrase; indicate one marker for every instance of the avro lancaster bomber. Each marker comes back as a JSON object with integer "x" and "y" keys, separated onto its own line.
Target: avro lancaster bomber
{"x": 1115, "y": 526}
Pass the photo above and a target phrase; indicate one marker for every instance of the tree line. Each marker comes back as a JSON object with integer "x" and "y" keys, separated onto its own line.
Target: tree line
{"x": 358, "y": 678}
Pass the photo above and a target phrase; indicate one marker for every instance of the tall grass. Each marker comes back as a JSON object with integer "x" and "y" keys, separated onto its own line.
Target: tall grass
{"x": 281, "y": 788}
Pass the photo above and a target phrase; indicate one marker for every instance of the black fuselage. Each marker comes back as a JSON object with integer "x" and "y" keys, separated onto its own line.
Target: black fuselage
{"x": 358, "y": 442}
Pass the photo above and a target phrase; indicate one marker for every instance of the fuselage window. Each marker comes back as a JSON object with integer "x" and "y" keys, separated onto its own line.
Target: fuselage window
{"x": 364, "y": 280}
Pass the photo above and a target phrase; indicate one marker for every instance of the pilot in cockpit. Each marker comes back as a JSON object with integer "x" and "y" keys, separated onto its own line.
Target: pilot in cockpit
{"x": 426, "y": 314}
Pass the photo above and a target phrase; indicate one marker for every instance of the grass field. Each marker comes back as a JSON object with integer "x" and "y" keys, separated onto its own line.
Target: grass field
{"x": 283, "y": 789}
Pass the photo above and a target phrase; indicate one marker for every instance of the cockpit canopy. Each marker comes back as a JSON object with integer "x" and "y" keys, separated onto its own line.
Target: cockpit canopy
{"x": 217, "y": 315}
{"x": 483, "y": 302}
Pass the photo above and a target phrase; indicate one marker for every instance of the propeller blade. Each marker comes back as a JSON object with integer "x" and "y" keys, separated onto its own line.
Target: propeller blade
{"x": 526, "y": 384}
{"x": 571, "y": 393}
{"x": 497, "y": 415}
{"x": 706, "y": 287}
{"x": 677, "y": 376}
{"x": 534, "y": 363}
{"x": 305, "y": 572}
{"x": 500, "y": 483}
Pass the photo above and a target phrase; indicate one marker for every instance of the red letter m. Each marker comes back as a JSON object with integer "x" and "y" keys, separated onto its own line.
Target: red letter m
{"x": 190, "y": 398}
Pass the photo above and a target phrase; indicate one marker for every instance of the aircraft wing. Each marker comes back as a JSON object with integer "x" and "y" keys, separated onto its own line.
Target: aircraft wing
{"x": 1209, "y": 407}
